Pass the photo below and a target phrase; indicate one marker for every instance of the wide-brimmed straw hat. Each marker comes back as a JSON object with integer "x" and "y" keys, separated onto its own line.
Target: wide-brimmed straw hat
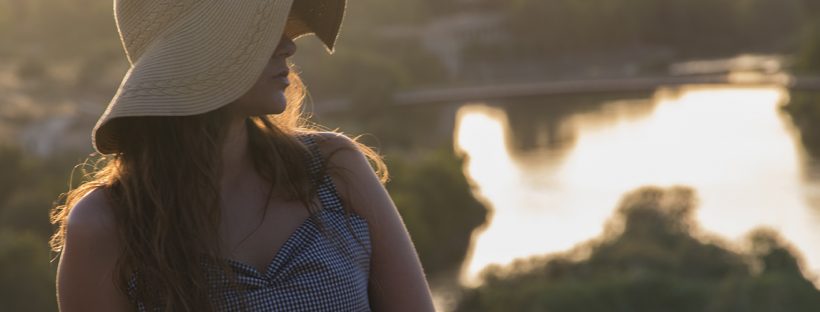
{"x": 189, "y": 57}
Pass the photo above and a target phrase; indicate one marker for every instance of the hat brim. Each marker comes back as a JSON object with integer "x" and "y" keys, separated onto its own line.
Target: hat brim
{"x": 322, "y": 18}
{"x": 189, "y": 71}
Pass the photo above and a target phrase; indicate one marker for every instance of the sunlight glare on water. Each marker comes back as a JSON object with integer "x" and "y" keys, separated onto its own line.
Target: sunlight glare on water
{"x": 731, "y": 145}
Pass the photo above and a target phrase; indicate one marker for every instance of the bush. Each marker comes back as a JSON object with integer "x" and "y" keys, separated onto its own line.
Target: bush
{"x": 437, "y": 205}
{"x": 26, "y": 278}
{"x": 652, "y": 262}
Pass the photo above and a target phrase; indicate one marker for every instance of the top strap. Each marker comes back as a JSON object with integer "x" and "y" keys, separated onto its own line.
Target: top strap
{"x": 314, "y": 154}
{"x": 327, "y": 190}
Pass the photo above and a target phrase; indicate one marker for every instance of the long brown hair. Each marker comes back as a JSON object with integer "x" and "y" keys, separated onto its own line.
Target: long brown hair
{"x": 163, "y": 188}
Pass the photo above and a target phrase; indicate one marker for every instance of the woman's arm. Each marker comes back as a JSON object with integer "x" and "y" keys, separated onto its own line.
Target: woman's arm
{"x": 84, "y": 274}
{"x": 397, "y": 280}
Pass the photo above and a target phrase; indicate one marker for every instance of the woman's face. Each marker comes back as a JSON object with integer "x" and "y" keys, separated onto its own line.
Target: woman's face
{"x": 267, "y": 96}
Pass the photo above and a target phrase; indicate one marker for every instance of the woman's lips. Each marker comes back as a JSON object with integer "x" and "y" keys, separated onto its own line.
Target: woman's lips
{"x": 282, "y": 74}
{"x": 282, "y": 77}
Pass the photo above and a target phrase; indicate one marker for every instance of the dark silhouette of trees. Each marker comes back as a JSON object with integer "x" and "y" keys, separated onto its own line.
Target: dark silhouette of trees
{"x": 808, "y": 60}
{"x": 26, "y": 277}
{"x": 652, "y": 259}
{"x": 28, "y": 187}
{"x": 437, "y": 205}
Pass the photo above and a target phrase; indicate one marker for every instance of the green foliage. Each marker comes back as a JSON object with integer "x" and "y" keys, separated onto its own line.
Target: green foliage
{"x": 59, "y": 29}
{"x": 11, "y": 165}
{"x": 808, "y": 58}
{"x": 5, "y": 17}
{"x": 81, "y": 31}
{"x": 650, "y": 261}
{"x": 812, "y": 8}
{"x": 26, "y": 277}
{"x": 804, "y": 109}
{"x": 437, "y": 206}
{"x": 370, "y": 72}
{"x": 29, "y": 187}
{"x": 383, "y": 12}
{"x": 690, "y": 27}
{"x": 92, "y": 74}
{"x": 32, "y": 69}
{"x": 402, "y": 12}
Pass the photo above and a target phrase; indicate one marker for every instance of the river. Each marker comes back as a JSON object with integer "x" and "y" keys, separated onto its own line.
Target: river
{"x": 552, "y": 173}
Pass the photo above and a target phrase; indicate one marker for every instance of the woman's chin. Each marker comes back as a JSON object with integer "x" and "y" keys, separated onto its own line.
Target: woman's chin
{"x": 279, "y": 103}
{"x": 272, "y": 111}
{"x": 278, "y": 111}
{"x": 279, "y": 107}
{"x": 271, "y": 108}
{"x": 275, "y": 105}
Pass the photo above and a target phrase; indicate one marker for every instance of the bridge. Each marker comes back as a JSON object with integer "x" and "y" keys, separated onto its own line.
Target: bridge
{"x": 575, "y": 87}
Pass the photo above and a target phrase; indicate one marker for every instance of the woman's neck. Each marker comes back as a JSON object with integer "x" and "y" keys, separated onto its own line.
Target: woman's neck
{"x": 236, "y": 160}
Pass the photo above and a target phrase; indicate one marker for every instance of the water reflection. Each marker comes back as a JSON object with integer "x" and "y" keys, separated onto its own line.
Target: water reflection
{"x": 550, "y": 124}
{"x": 732, "y": 145}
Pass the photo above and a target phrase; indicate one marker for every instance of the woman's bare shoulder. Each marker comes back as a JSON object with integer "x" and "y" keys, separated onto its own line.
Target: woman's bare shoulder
{"x": 352, "y": 174}
{"x": 87, "y": 263}
{"x": 92, "y": 212}
{"x": 332, "y": 139}
{"x": 332, "y": 144}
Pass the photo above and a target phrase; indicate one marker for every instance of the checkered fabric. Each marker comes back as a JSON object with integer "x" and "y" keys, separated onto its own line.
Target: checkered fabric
{"x": 311, "y": 271}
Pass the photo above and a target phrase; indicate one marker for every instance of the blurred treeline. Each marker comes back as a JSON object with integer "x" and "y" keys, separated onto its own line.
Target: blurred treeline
{"x": 808, "y": 60}
{"x": 651, "y": 33}
{"x": 804, "y": 110}
{"x": 28, "y": 186}
{"x": 557, "y": 39}
{"x": 691, "y": 28}
{"x": 804, "y": 107}
{"x": 653, "y": 257}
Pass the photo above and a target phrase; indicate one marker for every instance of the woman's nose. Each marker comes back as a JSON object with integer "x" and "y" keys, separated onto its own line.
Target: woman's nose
{"x": 286, "y": 47}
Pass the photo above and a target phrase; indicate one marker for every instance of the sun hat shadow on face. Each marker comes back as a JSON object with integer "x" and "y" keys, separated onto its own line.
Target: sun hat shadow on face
{"x": 190, "y": 57}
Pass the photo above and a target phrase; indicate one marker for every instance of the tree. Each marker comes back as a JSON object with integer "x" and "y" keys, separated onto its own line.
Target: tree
{"x": 26, "y": 278}
{"x": 437, "y": 204}
{"x": 650, "y": 261}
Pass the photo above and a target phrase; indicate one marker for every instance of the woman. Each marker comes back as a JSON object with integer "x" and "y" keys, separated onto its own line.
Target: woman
{"x": 215, "y": 195}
